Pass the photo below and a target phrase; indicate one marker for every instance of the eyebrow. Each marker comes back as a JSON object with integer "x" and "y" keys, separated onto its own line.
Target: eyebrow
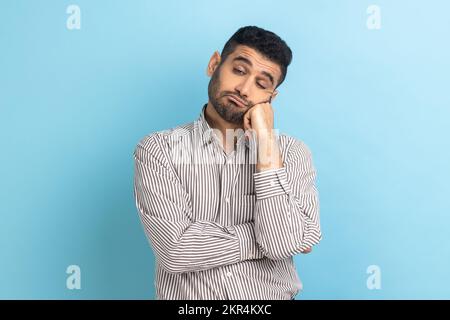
{"x": 247, "y": 61}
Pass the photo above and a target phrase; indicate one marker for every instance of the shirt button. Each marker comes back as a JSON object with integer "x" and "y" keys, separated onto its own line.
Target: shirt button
{"x": 227, "y": 200}
{"x": 272, "y": 183}
{"x": 229, "y": 274}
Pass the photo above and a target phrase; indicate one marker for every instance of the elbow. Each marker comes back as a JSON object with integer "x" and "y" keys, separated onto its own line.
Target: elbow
{"x": 171, "y": 262}
{"x": 284, "y": 252}
{"x": 175, "y": 262}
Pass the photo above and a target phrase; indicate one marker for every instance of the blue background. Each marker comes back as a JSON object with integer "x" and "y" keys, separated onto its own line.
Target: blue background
{"x": 373, "y": 106}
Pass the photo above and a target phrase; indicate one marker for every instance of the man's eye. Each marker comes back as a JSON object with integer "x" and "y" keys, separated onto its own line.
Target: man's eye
{"x": 262, "y": 87}
{"x": 238, "y": 71}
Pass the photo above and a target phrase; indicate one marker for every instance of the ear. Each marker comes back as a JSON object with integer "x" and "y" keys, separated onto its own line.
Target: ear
{"x": 274, "y": 94}
{"x": 214, "y": 62}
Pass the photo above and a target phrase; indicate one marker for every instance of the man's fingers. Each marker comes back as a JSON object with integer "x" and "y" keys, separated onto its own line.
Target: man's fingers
{"x": 247, "y": 124}
{"x": 308, "y": 250}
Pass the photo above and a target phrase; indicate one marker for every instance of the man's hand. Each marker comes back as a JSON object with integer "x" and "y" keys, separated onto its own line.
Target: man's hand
{"x": 259, "y": 118}
{"x": 307, "y": 251}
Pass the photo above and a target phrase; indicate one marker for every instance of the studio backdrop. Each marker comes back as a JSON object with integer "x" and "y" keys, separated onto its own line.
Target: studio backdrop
{"x": 81, "y": 82}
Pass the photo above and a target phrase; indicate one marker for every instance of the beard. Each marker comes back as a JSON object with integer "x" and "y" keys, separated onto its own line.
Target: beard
{"x": 227, "y": 110}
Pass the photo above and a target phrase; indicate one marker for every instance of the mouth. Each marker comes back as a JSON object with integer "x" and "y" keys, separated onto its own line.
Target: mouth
{"x": 238, "y": 102}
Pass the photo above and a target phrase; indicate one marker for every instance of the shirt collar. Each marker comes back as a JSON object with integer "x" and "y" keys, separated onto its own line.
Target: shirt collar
{"x": 207, "y": 134}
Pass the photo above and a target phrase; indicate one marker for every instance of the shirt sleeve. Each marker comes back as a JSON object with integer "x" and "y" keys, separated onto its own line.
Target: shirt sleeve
{"x": 179, "y": 243}
{"x": 287, "y": 205}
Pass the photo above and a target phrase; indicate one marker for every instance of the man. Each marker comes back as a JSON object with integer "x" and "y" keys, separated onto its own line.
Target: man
{"x": 225, "y": 210}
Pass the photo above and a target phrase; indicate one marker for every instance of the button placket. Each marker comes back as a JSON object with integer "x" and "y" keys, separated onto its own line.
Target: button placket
{"x": 225, "y": 191}
{"x": 225, "y": 183}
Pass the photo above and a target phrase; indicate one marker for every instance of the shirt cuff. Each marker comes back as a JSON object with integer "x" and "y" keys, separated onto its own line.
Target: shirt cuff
{"x": 249, "y": 249}
{"x": 271, "y": 183}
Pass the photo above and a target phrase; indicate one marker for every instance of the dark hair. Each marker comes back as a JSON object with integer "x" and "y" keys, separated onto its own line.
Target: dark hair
{"x": 265, "y": 42}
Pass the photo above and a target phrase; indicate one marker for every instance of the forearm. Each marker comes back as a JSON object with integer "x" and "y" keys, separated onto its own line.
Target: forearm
{"x": 284, "y": 224}
{"x": 269, "y": 154}
{"x": 201, "y": 245}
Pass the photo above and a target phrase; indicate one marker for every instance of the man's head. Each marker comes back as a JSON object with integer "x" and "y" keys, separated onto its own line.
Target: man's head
{"x": 252, "y": 65}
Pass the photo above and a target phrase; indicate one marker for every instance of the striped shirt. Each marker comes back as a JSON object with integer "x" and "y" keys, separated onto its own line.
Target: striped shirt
{"x": 219, "y": 229}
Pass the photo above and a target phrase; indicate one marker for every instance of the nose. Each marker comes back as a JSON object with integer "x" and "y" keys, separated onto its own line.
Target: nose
{"x": 244, "y": 88}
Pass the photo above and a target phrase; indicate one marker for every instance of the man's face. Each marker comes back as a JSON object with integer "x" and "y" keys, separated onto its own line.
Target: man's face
{"x": 245, "y": 75}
